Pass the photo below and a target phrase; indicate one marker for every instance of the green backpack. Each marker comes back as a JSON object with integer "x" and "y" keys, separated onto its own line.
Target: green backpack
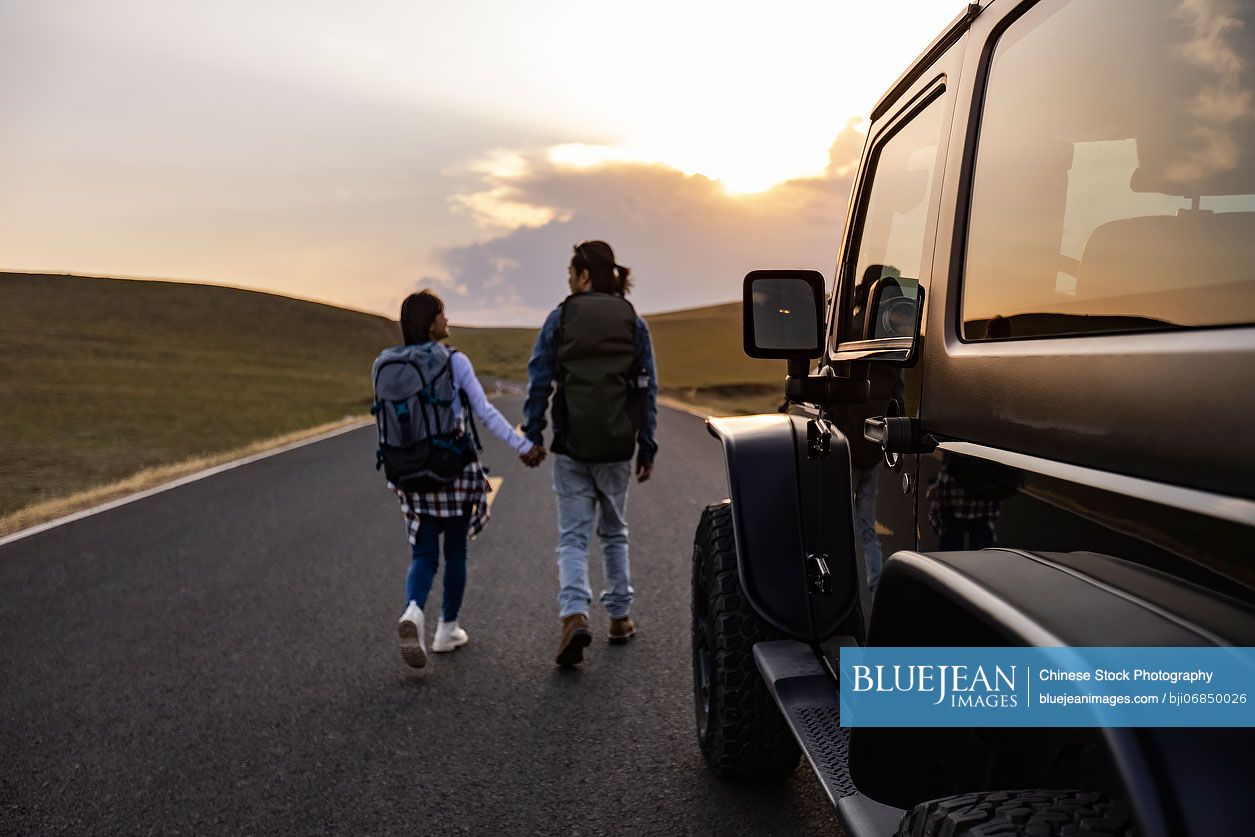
{"x": 602, "y": 388}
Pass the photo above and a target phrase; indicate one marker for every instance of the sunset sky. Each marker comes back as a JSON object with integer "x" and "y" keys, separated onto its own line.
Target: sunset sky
{"x": 353, "y": 152}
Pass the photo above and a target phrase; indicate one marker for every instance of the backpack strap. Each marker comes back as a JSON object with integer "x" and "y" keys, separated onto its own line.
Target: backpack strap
{"x": 470, "y": 420}
{"x": 467, "y": 413}
{"x": 559, "y": 411}
{"x": 429, "y": 393}
{"x": 557, "y": 332}
{"x": 422, "y": 404}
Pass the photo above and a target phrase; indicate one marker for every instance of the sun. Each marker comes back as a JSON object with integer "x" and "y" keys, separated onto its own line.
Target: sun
{"x": 738, "y": 171}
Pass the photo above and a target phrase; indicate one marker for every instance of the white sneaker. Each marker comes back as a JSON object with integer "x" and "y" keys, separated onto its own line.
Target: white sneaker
{"x": 410, "y": 630}
{"x": 448, "y": 637}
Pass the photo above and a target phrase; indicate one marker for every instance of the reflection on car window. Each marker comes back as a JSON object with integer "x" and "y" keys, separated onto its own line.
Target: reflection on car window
{"x": 1114, "y": 185}
{"x": 891, "y": 242}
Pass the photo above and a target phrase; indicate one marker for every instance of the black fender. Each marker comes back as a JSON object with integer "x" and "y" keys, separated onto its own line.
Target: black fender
{"x": 788, "y": 504}
{"x": 1003, "y": 596}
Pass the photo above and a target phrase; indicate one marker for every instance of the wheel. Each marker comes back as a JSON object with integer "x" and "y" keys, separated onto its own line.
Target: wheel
{"x": 739, "y": 726}
{"x": 1031, "y": 813}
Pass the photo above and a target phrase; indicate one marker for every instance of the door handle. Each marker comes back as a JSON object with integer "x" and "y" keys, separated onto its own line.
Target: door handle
{"x": 898, "y": 434}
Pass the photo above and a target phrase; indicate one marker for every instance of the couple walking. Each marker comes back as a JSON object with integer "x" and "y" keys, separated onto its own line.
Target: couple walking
{"x": 598, "y": 354}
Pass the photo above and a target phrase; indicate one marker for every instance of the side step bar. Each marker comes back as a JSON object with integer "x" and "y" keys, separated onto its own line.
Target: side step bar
{"x": 808, "y": 700}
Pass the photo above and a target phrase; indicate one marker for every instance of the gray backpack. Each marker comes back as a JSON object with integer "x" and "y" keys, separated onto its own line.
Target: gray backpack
{"x": 421, "y": 444}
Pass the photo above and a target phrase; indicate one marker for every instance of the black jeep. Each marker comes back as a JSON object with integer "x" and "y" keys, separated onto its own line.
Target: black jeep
{"x": 1034, "y": 400}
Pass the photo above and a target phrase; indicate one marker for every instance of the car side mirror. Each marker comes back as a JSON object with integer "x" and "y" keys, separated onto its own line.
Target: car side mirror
{"x": 783, "y": 313}
{"x": 784, "y": 320}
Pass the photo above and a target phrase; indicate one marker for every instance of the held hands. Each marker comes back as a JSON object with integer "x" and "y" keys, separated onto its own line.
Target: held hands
{"x": 536, "y": 455}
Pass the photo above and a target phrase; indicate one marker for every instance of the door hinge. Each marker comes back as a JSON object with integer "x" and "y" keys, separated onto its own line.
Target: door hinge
{"x": 818, "y": 440}
{"x": 818, "y": 576}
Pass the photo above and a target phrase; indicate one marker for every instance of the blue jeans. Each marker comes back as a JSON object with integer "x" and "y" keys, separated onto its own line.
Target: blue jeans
{"x": 591, "y": 494}
{"x": 864, "y": 483}
{"x": 426, "y": 552}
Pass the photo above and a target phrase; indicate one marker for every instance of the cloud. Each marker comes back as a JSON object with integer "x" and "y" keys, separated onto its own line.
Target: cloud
{"x": 1216, "y": 34}
{"x": 687, "y": 240}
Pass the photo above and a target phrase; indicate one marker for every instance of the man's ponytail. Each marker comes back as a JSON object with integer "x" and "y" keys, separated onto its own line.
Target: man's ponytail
{"x": 623, "y": 277}
{"x": 604, "y": 274}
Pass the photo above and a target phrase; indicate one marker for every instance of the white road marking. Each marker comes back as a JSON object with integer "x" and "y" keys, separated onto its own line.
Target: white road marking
{"x": 199, "y": 475}
{"x": 227, "y": 466}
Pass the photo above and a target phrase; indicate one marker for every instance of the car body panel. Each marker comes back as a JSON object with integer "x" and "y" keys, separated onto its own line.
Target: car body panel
{"x": 1083, "y": 490}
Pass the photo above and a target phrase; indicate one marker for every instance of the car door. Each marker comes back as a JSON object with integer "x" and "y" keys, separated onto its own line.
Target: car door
{"x": 882, "y": 283}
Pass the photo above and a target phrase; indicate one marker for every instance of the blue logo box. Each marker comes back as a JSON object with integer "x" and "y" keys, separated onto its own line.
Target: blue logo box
{"x": 1047, "y": 687}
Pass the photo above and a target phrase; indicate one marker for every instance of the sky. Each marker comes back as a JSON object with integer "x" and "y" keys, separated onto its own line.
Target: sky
{"x": 354, "y": 152}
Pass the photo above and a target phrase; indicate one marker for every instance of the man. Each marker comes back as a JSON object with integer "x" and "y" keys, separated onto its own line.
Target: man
{"x": 599, "y": 354}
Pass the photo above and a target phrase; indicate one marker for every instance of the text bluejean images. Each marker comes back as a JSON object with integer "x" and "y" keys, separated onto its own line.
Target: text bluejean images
{"x": 1047, "y": 687}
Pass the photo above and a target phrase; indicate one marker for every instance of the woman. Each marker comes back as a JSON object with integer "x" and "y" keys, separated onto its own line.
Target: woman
{"x": 455, "y": 511}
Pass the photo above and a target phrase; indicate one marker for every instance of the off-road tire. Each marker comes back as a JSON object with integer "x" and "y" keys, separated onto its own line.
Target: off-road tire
{"x": 739, "y": 726}
{"x": 1031, "y": 813}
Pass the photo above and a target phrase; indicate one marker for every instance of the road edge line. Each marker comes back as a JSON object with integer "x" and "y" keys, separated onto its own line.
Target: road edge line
{"x": 21, "y": 534}
{"x": 190, "y": 478}
{"x": 682, "y": 407}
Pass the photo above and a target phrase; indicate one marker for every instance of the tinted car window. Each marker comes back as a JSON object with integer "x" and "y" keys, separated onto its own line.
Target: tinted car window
{"x": 1114, "y": 186}
{"x": 891, "y": 240}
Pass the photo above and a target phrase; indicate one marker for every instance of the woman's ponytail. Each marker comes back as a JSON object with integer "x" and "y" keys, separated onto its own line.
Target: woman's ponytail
{"x": 623, "y": 277}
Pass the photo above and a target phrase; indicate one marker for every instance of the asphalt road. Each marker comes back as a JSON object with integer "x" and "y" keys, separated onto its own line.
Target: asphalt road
{"x": 222, "y": 657}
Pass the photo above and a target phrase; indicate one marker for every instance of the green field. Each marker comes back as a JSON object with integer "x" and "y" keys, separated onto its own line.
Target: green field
{"x": 101, "y": 378}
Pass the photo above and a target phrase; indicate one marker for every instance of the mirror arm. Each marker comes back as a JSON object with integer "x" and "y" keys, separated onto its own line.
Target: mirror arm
{"x": 799, "y": 367}
{"x": 825, "y": 390}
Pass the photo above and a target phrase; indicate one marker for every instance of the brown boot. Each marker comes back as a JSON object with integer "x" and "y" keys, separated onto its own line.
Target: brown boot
{"x": 621, "y": 630}
{"x": 575, "y": 638}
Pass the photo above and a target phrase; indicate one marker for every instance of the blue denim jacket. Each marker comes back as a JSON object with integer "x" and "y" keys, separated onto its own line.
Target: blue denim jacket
{"x": 544, "y": 364}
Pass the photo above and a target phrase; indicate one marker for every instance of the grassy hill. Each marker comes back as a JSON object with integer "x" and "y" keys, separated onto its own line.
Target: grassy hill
{"x": 101, "y": 378}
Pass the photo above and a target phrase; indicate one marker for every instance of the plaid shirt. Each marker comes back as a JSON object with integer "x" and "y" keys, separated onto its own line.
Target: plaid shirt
{"x": 951, "y": 502}
{"x": 468, "y": 494}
